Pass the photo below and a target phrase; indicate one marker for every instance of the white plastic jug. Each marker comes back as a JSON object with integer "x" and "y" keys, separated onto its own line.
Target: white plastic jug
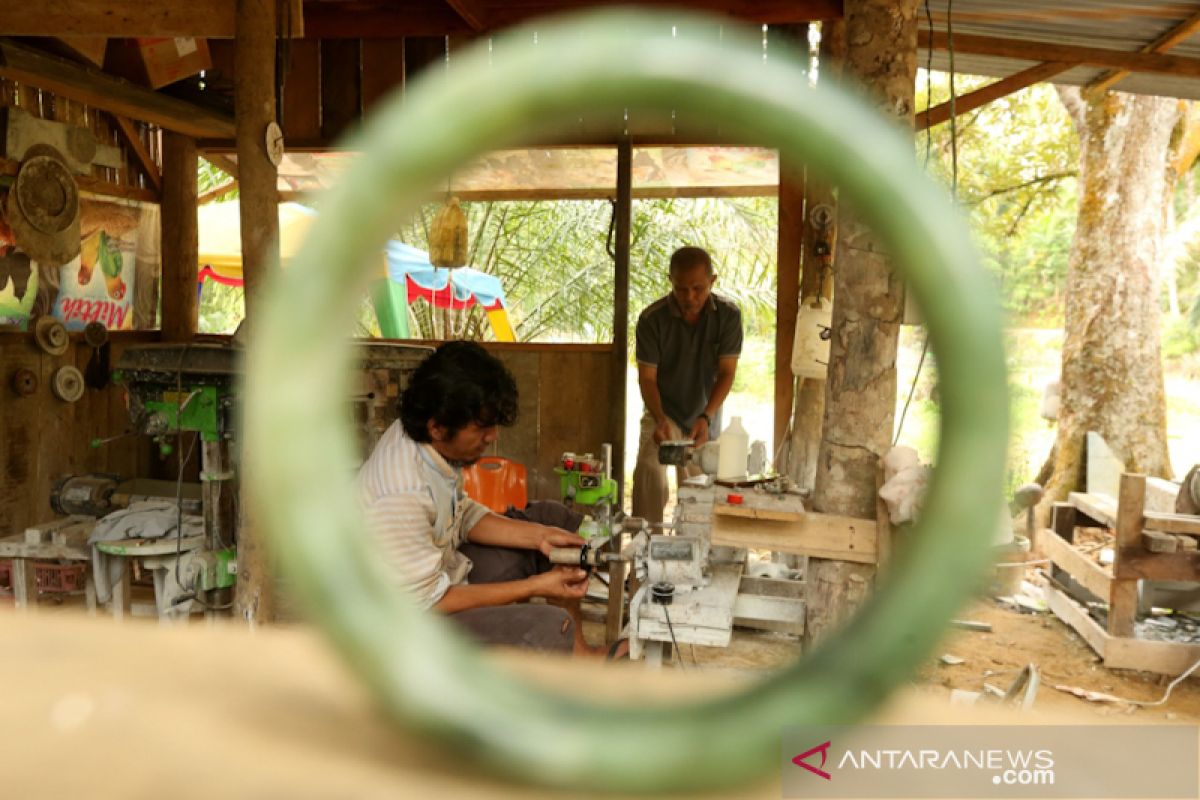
{"x": 735, "y": 450}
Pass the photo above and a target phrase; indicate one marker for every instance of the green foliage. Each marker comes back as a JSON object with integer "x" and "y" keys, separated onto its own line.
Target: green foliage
{"x": 1181, "y": 336}
{"x": 1017, "y": 159}
{"x": 552, "y": 260}
{"x": 221, "y": 307}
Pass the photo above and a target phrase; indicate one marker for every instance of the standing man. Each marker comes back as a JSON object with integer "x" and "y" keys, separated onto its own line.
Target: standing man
{"x": 688, "y": 345}
{"x": 449, "y": 552}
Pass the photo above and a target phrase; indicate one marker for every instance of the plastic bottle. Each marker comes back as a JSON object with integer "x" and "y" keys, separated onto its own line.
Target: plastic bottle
{"x": 735, "y": 449}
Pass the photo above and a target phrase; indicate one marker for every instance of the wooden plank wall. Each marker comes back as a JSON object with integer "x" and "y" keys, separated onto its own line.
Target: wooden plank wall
{"x": 43, "y": 438}
{"x": 566, "y": 396}
{"x": 564, "y": 406}
{"x": 330, "y": 83}
{"x": 129, "y": 180}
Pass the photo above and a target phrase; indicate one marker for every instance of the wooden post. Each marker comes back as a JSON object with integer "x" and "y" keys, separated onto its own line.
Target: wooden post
{"x": 622, "y": 227}
{"x": 180, "y": 238}
{"x": 816, "y": 281}
{"x": 868, "y": 303}
{"x": 255, "y": 110}
{"x": 1122, "y": 599}
{"x": 789, "y": 249}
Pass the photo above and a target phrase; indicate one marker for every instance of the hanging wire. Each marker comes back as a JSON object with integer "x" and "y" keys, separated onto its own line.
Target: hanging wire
{"x": 953, "y": 166}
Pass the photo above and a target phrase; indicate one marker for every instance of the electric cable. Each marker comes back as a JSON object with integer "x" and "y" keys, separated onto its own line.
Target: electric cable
{"x": 675, "y": 644}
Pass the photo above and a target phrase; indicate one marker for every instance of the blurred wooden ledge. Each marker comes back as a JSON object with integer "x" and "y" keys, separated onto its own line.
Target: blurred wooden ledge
{"x": 98, "y": 709}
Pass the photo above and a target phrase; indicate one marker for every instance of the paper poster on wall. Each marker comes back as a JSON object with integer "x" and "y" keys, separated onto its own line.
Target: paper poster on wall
{"x": 25, "y": 290}
{"x": 98, "y": 285}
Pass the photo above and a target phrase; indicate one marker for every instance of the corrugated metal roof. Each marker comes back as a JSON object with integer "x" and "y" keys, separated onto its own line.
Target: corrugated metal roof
{"x": 1126, "y": 25}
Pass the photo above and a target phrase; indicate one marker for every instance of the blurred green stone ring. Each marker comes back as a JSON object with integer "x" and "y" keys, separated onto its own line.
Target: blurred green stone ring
{"x": 300, "y": 458}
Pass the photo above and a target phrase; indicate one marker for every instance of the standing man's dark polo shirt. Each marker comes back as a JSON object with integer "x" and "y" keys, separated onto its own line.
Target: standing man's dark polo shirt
{"x": 686, "y": 355}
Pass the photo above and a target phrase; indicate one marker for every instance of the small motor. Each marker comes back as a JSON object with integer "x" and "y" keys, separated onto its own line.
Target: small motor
{"x": 90, "y": 495}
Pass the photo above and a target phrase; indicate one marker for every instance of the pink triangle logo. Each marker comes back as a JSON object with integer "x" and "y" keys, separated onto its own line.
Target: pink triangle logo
{"x": 823, "y": 749}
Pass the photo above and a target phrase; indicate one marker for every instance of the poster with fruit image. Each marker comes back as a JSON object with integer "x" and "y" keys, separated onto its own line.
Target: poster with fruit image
{"x": 98, "y": 284}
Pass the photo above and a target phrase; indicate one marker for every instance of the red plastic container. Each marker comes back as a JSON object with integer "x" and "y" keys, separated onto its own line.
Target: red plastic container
{"x": 52, "y": 578}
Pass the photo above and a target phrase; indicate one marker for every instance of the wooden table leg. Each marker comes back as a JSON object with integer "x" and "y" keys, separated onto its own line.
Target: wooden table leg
{"x": 24, "y": 584}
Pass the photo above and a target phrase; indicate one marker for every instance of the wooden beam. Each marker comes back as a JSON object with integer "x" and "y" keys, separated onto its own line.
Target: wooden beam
{"x": 368, "y": 20}
{"x": 1136, "y": 564}
{"x": 1100, "y": 508}
{"x": 622, "y": 238}
{"x": 1173, "y": 523}
{"x": 130, "y": 135}
{"x": 221, "y": 162}
{"x": 820, "y": 535}
{"x": 1122, "y": 601}
{"x": 993, "y": 91}
{"x": 378, "y": 21}
{"x": 216, "y": 193}
{"x": 1086, "y": 572}
{"x": 1049, "y": 51}
{"x": 74, "y": 82}
{"x": 789, "y": 249}
{"x": 254, "y": 92}
{"x": 180, "y": 239}
{"x": 1162, "y": 44}
{"x": 204, "y": 19}
{"x": 473, "y": 12}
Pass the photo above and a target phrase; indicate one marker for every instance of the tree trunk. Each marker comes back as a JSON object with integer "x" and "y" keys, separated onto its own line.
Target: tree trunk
{"x": 1112, "y": 379}
{"x": 868, "y": 303}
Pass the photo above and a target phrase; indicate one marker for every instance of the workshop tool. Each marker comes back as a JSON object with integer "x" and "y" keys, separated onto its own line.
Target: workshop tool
{"x": 99, "y": 494}
{"x": 423, "y": 674}
{"x": 586, "y": 481}
{"x": 682, "y": 452}
{"x": 67, "y": 384}
{"x": 584, "y": 557}
{"x": 96, "y": 373}
{"x": 50, "y": 336}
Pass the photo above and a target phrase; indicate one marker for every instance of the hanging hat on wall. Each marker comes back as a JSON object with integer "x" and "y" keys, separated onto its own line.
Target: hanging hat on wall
{"x": 448, "y": 236}
{"x": 43, "y": 208}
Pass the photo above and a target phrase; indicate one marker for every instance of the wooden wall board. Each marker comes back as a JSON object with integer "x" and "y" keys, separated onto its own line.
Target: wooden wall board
{"x": 520, "y": 442}
{"x": 341, "y": 87}
{"x": 43, "y": 438}
{"x": 574, "y": 398}
{"x": 19, "y": 429}
{"x": 56, "y": 427}
{"x": 421, "y": 52}
{"x": 382, "y": 70}
{"x": 300, "y": 115}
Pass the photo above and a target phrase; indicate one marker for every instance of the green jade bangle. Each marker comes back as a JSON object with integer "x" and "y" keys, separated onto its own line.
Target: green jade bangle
{"x": 299, "y": 452}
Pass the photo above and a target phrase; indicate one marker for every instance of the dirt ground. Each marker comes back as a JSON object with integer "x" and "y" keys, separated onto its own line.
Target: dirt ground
{"x": 1061, "y": 657}
{"x": 996, "y": 657}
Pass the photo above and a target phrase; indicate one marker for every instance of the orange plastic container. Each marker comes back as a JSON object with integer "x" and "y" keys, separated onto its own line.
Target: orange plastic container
{"x": 496, "y": 482}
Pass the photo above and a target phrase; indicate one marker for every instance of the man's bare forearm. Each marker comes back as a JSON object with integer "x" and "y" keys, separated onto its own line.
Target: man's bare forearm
{"x": 500, "y": 531}
{"x": 651, "y": 397}
{"x": 484, "y": 595}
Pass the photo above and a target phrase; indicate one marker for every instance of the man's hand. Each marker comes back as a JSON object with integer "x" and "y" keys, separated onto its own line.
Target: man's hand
{"x": 557, "y": 537}
{"x": 699, "y": 432}
{"x": 662, "y": 431}
{"x": 560, "y": 583}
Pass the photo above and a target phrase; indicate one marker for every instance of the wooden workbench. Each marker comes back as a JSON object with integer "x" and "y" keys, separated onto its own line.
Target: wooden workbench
{"x": 1148, "y": 545}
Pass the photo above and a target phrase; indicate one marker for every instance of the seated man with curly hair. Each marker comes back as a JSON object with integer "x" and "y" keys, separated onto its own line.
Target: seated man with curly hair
{"x": 450, "y": 552}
